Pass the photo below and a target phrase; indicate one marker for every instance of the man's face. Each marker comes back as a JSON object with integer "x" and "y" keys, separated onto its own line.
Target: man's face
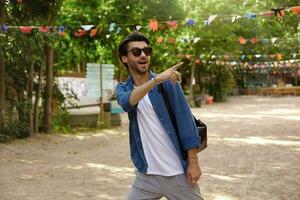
{"x": 137, "y": 63}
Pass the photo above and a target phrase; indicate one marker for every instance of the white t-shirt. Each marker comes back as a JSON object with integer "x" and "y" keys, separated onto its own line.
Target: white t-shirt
{"x": 158, "y": 148}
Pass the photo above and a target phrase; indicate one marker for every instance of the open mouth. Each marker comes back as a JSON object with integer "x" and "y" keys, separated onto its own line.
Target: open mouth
{"x": 142, "y": 62}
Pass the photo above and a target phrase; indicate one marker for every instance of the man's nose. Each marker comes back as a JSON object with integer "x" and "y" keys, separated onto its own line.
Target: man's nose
{"x": 143, "y": 54}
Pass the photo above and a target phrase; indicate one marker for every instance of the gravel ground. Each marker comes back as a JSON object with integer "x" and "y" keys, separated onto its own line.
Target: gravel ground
{"x": 253, "y": 153}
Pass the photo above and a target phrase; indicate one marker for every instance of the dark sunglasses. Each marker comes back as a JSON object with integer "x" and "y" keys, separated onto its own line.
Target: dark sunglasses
{"x": 137, "y": 51}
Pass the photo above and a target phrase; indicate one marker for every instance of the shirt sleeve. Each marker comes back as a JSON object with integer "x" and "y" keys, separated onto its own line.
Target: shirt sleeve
{"x": 187, "y": 129}
{"x": 123, "y": 95}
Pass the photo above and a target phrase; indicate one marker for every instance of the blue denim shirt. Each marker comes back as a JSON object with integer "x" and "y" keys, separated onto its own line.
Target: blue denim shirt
{"x": 186, "y": 126}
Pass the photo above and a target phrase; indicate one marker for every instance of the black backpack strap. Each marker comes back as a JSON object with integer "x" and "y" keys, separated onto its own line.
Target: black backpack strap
{"x": 168, "y": 105}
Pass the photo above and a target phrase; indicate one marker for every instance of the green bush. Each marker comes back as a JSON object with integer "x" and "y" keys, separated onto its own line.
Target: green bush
{"x": 221, "y": 84}
{"x": 14, "y": 130}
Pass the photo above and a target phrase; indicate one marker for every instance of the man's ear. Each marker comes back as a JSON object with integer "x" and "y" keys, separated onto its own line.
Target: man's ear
{"x": 124, "y": 59}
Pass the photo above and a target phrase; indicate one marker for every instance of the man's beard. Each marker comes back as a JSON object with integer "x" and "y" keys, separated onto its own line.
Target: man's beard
{"x": 139, "y": 70}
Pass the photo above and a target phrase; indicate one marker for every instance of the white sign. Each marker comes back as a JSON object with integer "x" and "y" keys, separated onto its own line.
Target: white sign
{"x": 94, "y": 79}
{"x": 73, "y": 85}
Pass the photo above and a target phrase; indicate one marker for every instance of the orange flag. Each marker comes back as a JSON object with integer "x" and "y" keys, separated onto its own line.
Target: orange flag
{"x": 242, "y": 40}
{"x": 279, "y": 56}
{"x": 295, "y": 9}
{"x": 153, "y": 25}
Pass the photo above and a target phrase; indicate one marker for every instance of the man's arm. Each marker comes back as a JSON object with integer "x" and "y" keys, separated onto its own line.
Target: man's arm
{"x": 194, "y": 171}
{"x": 139, "y": 92}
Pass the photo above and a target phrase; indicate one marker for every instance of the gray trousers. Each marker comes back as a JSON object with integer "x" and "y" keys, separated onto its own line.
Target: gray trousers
{"x": 148, "y": 187}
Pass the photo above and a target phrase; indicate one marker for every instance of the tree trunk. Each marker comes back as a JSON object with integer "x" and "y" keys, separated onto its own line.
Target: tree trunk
{"x": 48, "y": 89}
{"x": 37, "y": 102}
{"x": 2, "y": 69}
{"x": 29, "y": 98}
{"x": 191, "y": 90}
{"x": 49, "y": 73}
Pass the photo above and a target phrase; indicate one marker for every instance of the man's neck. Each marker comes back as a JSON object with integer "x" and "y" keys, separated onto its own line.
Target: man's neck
{"x": 139, "y": 79}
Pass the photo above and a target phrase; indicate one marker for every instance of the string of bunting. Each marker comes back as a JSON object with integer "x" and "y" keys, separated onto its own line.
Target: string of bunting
{"x": 154, "y": 25}
{"x": 93, "y": 31}
{"x": 283, "y": 67}
{"x": 233, "y": 58}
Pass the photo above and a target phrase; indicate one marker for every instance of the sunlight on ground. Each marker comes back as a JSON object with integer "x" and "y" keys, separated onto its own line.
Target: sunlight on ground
{"x": 104, "y": 133}
{"x": 262, "y": 141}
{"x": 229, "y": 116}
{"x": 103, "y": 196}
{"x": 281, "y": 111}
{"x": 297, "y": 118}
{"x": 111, "y": 168}
{"x": 74, "y": 167}
{"x": 224, "y": 178}
{"x": 223, "y": 197}
{"x": 252, "y": 116}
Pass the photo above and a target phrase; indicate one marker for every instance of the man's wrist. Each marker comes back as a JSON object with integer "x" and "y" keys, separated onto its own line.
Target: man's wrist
{"x": 154, "y": 81}
{"x": 192, "y": 152}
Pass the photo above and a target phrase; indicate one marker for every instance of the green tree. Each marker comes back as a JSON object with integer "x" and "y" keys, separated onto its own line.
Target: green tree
{"x": 2, "y": 66}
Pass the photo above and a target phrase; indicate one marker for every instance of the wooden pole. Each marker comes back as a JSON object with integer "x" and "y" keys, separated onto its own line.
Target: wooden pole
{"x": 48, "y": 90}
{"x": 101, "y": 120}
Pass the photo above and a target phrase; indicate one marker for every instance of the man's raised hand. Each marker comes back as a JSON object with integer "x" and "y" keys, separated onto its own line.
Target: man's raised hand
{"x": 170, "y": 74}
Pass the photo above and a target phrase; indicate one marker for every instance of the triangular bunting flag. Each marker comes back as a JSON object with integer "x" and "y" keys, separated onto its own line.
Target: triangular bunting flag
{"x": 211, "y": 19}
{"x": 112, "y": 27}
{"x": 87, "y": 27}
{"x": 44, "y": 29}
{"x": 61, "y": 31}
{"x": 80, "y": 33}
{"x": 251, "y": 15}
{"x": 234, "y": 18}
{"x": 295, "y": 10}
{"x": 153, "y": 25}
{"x": 93, "y": 32}
{"x": 191, "y": 22}
{"x": 4, "y": 28}
{"x": 273, "y": 40}
{"x": 173, "y": 24}
{"x": 242, "y": 40}
{"x": 138, "y": 27}
{"x": 26, "y": 29}
{"x": 196, "y": 39}
{"x": 253, "y": 40}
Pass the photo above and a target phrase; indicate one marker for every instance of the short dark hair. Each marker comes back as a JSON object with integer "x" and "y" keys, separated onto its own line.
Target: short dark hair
{"x": 132, "y": 37}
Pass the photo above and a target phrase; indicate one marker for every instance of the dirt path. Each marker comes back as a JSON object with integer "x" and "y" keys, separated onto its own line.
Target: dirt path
{"x": 254, "y": 151}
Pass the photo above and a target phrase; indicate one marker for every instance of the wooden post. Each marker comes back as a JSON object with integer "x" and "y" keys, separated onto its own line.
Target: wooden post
{"x": 48, "y": 90}
{"x": 101, "y": 98}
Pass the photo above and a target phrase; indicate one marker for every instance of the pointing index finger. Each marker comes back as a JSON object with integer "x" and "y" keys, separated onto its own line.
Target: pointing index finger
{"x": 175, "y": 67}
